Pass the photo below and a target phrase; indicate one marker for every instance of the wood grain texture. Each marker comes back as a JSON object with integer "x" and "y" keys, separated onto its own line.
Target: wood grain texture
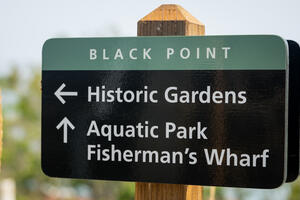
{"x": 169, "y": 20}
{"x": 160, "y": 191}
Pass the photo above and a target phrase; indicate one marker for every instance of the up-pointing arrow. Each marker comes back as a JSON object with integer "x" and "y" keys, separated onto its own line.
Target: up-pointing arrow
{"x": 59, "y": 94}
{"x": 65, "y": 123}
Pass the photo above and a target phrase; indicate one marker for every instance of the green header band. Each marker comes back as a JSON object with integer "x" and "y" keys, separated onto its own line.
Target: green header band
{"x": 257, "y": 52}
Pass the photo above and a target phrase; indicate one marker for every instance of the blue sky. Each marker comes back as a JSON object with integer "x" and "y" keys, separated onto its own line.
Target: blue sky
{"x": 25, "y": 25}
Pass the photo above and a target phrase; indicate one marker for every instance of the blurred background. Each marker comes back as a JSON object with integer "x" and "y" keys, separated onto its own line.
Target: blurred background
{"x": 26, "y": 25}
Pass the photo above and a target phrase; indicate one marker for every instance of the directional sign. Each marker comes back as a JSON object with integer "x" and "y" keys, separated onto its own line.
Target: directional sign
{"x": 209, "y": 110}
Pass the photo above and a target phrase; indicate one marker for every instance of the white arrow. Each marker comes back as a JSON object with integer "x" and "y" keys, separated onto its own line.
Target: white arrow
{"x": 65, "y": 123}
{"x": 59, "y": 93}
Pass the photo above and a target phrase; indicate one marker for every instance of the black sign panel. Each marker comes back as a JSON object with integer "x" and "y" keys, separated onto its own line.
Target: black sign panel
{"x": 294, "y": 101}
{"x": 231, "y": 133}
{"x": 185, "y": 110}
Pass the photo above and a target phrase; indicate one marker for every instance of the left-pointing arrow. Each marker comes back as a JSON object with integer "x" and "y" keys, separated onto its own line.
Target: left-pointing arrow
{"x": 65, "y": 123}
{"x": 59, "y": 93}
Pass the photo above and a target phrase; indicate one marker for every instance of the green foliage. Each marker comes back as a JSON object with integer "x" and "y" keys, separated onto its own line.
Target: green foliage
{"x": 126, "y": 191}
{"x": 22, "y": 147}
{"x": 295, "y": 194}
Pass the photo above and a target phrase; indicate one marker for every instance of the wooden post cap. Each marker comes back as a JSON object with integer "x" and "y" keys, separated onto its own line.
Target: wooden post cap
{"x": 170, "y": 19}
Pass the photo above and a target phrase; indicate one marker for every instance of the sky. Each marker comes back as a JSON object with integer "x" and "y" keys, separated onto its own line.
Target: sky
{"x": 26, "y": 25}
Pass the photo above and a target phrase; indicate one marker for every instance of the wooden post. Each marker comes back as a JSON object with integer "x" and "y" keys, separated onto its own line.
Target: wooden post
{"x": 168, "y": 19}
{"x": 1, "y": 130}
